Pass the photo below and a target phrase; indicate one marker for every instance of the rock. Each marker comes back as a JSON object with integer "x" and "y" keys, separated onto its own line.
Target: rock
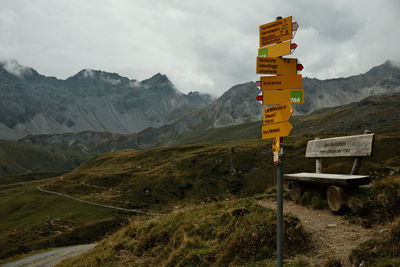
{"x": 332, "y": 225}
{"x": 383, "y": 231}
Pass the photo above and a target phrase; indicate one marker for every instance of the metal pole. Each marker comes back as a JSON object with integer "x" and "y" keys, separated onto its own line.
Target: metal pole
{"x": 279, "y": 209}
{"x": 279, "y": 203}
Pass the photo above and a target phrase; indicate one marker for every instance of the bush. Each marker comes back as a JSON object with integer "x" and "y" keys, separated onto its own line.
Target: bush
{"x": 218, "y": 234}
{"x": 379, "y": 252}
{"x": 379, "y": 204}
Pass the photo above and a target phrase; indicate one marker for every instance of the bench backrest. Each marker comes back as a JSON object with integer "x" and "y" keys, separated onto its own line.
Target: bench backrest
{"x": 345, "y": 146}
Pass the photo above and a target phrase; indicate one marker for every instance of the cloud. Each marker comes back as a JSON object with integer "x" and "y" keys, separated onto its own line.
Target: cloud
{"x": 13, "y": 67}
{"x": 88, "y": 73}
{"x": 205, "y": 46}
{"x": 134, "y": 84}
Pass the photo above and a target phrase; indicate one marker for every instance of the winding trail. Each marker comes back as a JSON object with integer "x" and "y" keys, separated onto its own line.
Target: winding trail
{"x": 50, "y": 258}
{"x": 331, "y": 235}
{"x": 96, "y": 204}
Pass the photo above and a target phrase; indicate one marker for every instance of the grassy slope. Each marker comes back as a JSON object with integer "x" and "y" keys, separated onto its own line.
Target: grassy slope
{"x": 17, "y": 158}
{"x": 380, "y": 252}
{"x": 24, "y": 214}
{"x": 219, "y": 234}
{"x": 166, "y": 177}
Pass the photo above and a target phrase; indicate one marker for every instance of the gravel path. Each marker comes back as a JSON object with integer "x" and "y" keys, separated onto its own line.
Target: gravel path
{"x": 331, "y": 235}
{"x": 50, "y": 258}
{"x": 96, "y": 204}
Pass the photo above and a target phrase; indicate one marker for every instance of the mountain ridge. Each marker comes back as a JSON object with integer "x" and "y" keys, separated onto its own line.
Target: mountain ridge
{"x": 90, "y": 100}
{"x": 94, "y": 100}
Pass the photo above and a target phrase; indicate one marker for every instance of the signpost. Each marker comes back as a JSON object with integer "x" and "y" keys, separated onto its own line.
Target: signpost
{"x": 278, "y": 91}
{"x": 276, "y": 31}
{"x": 276, "y": 65}
{"x": 292, "y": 96}
{"x": 277, "y": 50}
{"x": 277, "y": 113}
{"x": 275, "y": 130}
{"x": 281, "y": 82}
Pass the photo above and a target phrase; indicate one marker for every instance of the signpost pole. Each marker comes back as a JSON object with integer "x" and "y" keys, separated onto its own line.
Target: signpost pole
{"x": 279, "y": 91}
{"x": 279, "y": 203}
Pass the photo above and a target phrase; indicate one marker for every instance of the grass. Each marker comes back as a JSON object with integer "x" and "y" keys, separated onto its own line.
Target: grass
{"x": 378, "y": 204}
{"x": 30, "y": 220}
{"x": 19, "y": 161}
{"x": 384, "y": 252}
{"x": 166, "y": 177}
{"x": 163, "y": 178}
{"x": 234, "y": 233}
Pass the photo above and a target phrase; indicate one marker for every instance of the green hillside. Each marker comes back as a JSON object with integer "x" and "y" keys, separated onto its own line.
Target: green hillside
{"x": 164, "y": 178}
{"x": 31, "y": 220}
{"x": 19, "y": 161}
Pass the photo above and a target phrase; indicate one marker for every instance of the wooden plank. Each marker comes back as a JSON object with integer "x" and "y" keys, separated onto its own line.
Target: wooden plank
{"x": 346, "y": 146}
{"x": 331, "y": 179}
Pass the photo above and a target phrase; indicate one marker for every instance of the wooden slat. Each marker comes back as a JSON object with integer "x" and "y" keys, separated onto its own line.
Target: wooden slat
{"x": 346, "y": 146}
{"x": 331, "y": 179}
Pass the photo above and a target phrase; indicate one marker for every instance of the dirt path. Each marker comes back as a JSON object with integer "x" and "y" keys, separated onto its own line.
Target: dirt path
{"x": 96, "y": 204}
{"x": 332, "y": 236}
{"x": 50, "y": 258}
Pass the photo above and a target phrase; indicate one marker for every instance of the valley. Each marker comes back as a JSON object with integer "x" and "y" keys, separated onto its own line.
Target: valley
{"x": 203, "y": 183}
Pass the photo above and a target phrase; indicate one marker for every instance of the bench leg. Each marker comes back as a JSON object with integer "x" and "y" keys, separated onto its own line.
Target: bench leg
{"x": 336, "y": 197}
{"x": 295, "y": 190}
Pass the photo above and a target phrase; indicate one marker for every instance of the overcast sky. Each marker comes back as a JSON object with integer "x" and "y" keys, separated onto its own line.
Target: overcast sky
{"x": 207, "y": 45}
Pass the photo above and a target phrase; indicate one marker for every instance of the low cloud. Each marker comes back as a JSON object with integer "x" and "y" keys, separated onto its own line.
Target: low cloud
{"x": 88, "y": 73}
{"x": 13, "y": 67}
{"x": 205, "y": 46}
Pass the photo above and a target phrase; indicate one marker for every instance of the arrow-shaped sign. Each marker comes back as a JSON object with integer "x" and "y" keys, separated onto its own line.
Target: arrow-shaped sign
{"x": 276, "y": 130}
{"x": 277, "y": 113}
{"x": 292, "y": 96}
{"x": 281, "y": 82}
{"x": 276, "y": 31}
{"x": 277, "y": 50}
{"x": 279, "y": 66}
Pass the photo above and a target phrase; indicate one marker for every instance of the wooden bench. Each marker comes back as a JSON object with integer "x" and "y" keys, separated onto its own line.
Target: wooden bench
{"x": 338, "y": 185}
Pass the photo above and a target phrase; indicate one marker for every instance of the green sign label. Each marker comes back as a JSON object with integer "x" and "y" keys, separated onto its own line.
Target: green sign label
{"x": 263, "y": 52}
{"x": 296, "y": 96}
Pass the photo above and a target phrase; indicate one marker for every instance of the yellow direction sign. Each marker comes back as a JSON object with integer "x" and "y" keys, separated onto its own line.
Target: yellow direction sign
{"x": 292, "y": 96}
{"x": 279, "y": 129}
{"x": 277, "y": 50}
{"x": 279, "y": 66}
{"x": 277, "y": 113}
{"x": 281, "y": 82}
{"x": 276, "y": 31}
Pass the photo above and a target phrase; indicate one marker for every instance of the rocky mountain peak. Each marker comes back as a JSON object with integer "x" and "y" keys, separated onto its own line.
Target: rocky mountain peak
{"x": 386, "y": 69}
{"x": 13, "y": 71}
{"x": 158, "y": 79}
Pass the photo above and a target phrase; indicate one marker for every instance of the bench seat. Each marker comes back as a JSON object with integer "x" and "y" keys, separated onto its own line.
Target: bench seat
{"x": 329, "y": 179}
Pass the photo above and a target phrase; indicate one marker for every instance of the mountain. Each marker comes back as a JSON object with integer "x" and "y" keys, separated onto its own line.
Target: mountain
{"x": 91, "y": 100}
{"x": 235, "y": 106}
{"x": 335, "y": 92}
{"x": 378, "y": 113}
